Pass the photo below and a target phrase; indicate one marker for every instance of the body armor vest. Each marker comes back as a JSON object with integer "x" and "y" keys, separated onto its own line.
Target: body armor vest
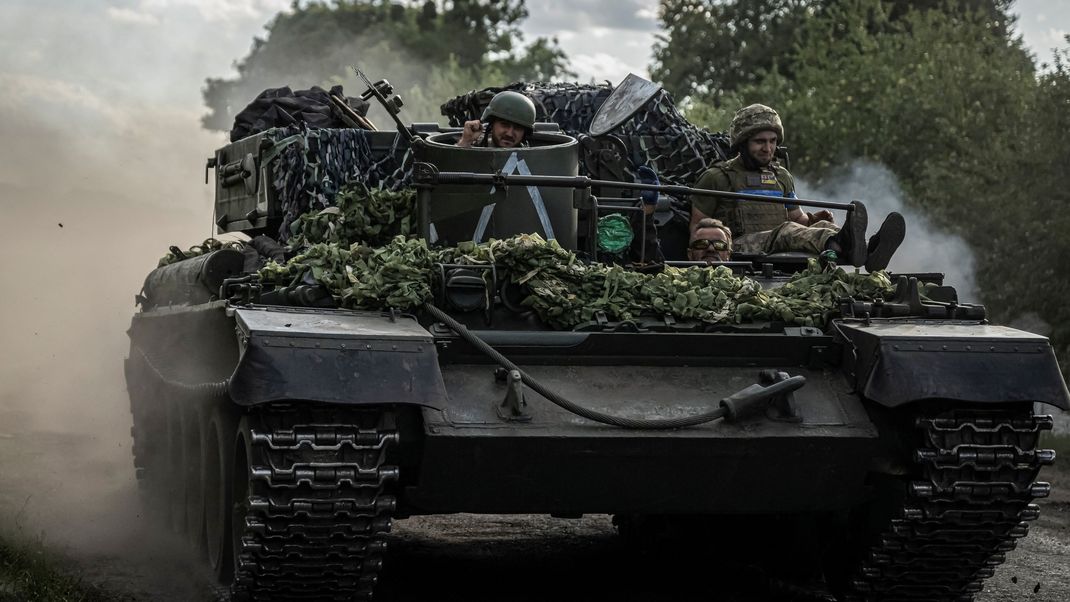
{"x": 747, "y": 217}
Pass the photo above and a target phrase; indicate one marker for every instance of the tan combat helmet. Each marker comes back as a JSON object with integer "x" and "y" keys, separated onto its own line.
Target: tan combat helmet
{"x": 753, "y": 119}
{"x": 511, "y": 106}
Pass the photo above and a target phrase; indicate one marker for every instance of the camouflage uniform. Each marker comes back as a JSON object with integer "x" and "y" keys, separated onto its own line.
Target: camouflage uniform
{"x": 788, "y": 236}
{"x": 758, "y": 227}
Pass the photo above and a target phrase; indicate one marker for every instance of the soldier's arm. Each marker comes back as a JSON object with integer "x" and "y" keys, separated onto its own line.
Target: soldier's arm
{"x": 470, "y": 133}
{"x": 704, "y": 206}
{"x": 795, "y": 213}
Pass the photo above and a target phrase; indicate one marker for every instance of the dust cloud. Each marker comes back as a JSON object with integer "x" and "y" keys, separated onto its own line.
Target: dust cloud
{"x": 926, "y": 247}
{"x": 422, "y": 91}
{"x": 101, "y": 170}
{"x": 89, "y": 201}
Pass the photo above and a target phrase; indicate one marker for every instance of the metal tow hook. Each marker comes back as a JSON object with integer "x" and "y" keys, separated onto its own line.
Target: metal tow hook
{"x": 774, "y": 397}
{"x": 513, "y": 408}
{"x": 782, "y": 407}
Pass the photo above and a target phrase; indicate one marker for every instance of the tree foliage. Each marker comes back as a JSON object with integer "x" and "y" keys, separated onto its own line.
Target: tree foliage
{"x": 713, "y": 47}
{"x": 710, "y": 48}
{"x": 945, "y": 95}
{"x": 429, "y": 50}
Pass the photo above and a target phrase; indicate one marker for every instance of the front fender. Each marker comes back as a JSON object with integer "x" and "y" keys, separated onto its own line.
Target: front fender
{"x": 333, "y": 356}
{"x": 898, "y": 361}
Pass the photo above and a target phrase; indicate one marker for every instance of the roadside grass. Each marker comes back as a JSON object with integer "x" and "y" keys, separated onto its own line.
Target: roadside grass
{"x": 1058, "y": 474}
{"x": 1061, "y": 444}
{"x": 29, "y": 572}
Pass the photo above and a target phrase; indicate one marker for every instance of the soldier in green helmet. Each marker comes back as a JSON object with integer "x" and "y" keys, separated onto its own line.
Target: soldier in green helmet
{"x": 507, "y": 122}
{"x": 755, "y": 133}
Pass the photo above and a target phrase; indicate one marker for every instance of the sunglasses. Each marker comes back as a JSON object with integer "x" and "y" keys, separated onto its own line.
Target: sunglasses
{"x": 702, "y": 244}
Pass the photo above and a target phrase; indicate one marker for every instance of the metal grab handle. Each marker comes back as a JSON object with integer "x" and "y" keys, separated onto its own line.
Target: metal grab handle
{"x": 425, "y": 174}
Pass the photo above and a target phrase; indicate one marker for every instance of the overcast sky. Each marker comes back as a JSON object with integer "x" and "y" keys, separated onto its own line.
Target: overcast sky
{"x": 161, "y": 50}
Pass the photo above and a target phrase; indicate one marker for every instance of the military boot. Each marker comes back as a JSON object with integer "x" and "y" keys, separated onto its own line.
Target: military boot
{"x": 850, "y": 242}
{"x": 883, "y": 244}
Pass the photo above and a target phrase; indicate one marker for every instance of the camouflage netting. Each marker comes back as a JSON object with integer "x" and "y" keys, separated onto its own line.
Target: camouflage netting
{"x": 571, "y": 106}
{"x": 565, "y": 291}
{"x": 346, "y": 254}
{"x": 658, "y": 135}
{"x": 359, "y": 213}
{"x": 312, "y": 165}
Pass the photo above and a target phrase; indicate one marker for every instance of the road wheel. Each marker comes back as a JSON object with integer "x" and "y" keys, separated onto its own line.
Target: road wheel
{"x": 193, "y": 461}
{"x": 149, "y": 432}
{"x": 176, "y": 470}
{"x": 217, "y": 469}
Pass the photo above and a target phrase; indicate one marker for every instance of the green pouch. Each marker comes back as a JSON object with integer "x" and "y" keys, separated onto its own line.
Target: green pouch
{"x": 614, "y": 233}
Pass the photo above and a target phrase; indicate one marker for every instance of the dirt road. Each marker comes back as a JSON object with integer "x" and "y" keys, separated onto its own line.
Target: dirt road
{"x": 529, "y": 559}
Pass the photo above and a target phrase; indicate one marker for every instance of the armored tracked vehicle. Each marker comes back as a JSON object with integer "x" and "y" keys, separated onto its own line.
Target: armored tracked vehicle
{"x": 283, "y": 433}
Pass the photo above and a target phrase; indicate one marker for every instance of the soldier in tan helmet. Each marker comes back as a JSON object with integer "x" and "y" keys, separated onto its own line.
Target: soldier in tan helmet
{"x": 755, "y": 133}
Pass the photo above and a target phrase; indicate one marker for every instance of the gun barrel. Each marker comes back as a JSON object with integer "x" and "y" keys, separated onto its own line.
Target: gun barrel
{"x": 432, "y": 177}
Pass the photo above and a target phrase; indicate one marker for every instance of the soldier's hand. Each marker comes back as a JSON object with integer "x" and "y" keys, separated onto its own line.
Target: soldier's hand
{"x": 470, "y": 133}
{"x": 646, "y": 175}
{"x": 822, "y": 216}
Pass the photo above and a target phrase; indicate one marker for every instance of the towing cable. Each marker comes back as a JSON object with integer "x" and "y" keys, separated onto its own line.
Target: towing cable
{"x": 741, "y": 403}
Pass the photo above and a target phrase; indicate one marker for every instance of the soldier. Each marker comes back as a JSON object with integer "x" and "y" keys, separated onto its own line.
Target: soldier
{"x": 711, "y": 241}
{"x": 755, "y": 132}
{"x": 506, "y": 122}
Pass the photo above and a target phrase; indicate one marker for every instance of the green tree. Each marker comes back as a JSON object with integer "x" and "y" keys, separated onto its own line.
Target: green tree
{"x": 423, "y": 48}
{"x": 711, "y": 48}
{"x": 1027, "y": 255}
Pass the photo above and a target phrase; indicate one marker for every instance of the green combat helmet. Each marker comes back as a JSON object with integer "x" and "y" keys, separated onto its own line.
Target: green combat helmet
{"x": 511, "y": 106}
{"x": 753, "y": 119}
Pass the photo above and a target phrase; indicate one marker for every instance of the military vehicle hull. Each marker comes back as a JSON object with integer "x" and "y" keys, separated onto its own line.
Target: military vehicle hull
{"x": 283, "y": 441}
{"x": 283, "y": 438}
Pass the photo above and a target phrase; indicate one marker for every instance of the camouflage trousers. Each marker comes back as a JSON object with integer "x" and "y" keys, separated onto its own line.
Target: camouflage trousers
{"x": 788, "y": 236}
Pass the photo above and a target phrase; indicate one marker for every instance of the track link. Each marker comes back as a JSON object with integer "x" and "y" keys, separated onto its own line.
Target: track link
{"x": 966, "y": 511}
{"x": 318, "y": 506}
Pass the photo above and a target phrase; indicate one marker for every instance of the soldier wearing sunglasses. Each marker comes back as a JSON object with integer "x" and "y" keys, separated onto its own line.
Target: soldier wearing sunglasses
{"x": 711, "y": 241}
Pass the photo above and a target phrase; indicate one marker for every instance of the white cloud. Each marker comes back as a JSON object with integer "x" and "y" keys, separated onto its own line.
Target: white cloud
{"x": 131, "y": 16}
{"x": 1038, "y": 22}
{"x": 1054, "y": 37}
{"x": 601, "y": 66}
{"x": 58, "y": 95}
{"x": 216, "y": 10}
{"x": 548, "y": 17}
{"x": 647, "y": 14}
